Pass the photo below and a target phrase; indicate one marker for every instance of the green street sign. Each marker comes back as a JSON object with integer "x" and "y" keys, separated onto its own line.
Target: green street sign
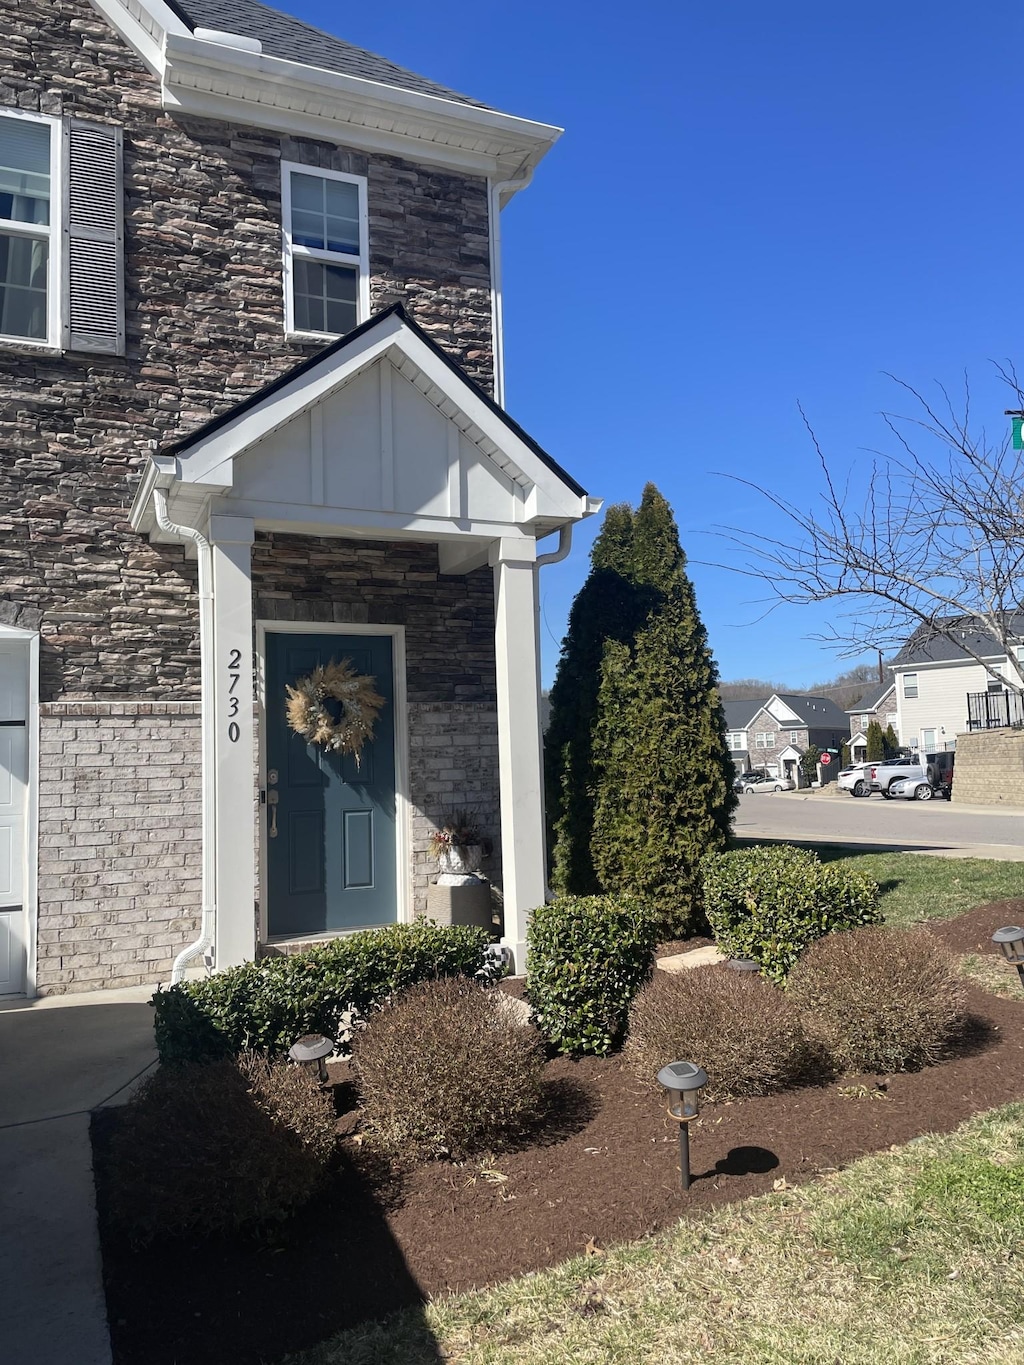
{"x": 1018, "y": 440}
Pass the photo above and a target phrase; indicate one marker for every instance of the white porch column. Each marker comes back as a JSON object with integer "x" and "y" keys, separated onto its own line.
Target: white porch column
{"x": 230, "y": 690}
{"x": 520, "y": 760}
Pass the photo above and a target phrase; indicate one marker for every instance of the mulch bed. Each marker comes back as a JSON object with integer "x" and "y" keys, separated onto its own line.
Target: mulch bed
{"x": 606, "y": 1173}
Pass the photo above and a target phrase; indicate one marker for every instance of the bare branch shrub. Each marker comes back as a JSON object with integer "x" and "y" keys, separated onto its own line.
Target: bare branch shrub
{"x": 878, "y": 999}
{"x": 446, "y": 1069}
{"x": 741, "y": 1029}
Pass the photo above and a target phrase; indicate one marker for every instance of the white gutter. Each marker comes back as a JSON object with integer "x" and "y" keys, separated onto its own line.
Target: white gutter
{"x": 497, "y": 189}
{"x": 564, "y": 546}
{"x": 204, "y": 943}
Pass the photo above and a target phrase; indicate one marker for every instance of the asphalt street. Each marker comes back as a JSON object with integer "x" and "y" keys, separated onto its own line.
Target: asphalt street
{"x": 830, "y": 816}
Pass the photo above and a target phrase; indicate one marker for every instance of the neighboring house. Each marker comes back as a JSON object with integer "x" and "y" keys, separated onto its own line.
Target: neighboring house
{"x": 942, "y": 689}
{"x": 879, "y": 705}
{"x": 776, "y": 733}
{"x": 250, "y": 331}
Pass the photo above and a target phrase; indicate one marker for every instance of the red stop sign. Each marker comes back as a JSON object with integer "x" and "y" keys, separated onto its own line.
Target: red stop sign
{"x": 825, "y": 760}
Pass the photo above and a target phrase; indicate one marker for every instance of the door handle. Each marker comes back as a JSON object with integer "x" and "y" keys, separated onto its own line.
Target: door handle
{"x": 272, "y": 799}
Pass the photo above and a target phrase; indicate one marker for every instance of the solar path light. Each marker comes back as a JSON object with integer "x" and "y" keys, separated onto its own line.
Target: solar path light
{"x": 683, "y": 1081}
{"x": 1010, "y": 939}
{"x": 313, "y": 1048}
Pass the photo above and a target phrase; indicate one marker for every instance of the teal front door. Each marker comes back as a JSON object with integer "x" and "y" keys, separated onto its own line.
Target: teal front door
{"x": 330, "y": 826}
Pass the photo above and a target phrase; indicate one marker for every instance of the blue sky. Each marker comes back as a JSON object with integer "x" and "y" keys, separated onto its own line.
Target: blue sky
{"x": 752, "y": 206}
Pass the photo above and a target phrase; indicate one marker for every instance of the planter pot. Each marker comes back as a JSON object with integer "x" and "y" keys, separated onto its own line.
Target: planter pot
{"x": 460, "y": 859}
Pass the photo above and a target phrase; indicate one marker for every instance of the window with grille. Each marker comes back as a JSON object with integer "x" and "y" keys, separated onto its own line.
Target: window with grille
{"x": 326, "y": 275}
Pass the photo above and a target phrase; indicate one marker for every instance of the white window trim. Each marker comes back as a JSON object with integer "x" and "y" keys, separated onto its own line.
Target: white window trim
{"x": 910, "y": 678}
{"x": 54, "y": 233}
{"x": 291, "y": 250}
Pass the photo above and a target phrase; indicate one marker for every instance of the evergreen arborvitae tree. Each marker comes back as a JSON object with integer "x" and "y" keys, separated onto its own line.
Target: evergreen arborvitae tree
{"x": 876, "y": 742}
{"x": 611, "y": 605}
{"x": 844, "y": 754}
{"x": 890, "y": 743}
{"x": 663, "y": 775}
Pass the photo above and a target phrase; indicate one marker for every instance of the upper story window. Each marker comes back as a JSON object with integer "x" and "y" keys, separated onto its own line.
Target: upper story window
{"x": 794, "y": 736}
{"x": 29, "y": 228}
{"x": 326, "y": 266}
{"x": 909, "y": 686}
{"x": 734, "y": 740}
{"x": 61, "y": 247}
{"x": 764, "y": 740}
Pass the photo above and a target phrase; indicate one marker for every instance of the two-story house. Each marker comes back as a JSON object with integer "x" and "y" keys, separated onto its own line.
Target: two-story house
{"x": 776, "y": 733}
{"x": 253, "y": 425}
{"x": 878, "y": 704}
{"x": 949, "y": 684}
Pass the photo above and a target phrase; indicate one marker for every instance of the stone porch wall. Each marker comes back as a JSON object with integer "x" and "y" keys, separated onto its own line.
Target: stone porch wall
{"x": 120, "y": 842}
{"x": 989, "y": 769}
{"x": 450, "y": 663}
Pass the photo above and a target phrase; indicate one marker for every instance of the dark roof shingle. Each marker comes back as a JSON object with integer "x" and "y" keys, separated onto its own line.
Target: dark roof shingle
{"x": 284, "y": 36}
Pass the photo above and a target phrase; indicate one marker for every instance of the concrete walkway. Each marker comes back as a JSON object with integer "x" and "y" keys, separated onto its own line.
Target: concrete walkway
{"x": 60, "y": 1058}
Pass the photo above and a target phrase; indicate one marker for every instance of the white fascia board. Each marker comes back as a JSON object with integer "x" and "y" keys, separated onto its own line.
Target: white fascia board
{"x": 209, "y": 458}
{"x": 303, "y": 519}
{"x": 201, "y": 77}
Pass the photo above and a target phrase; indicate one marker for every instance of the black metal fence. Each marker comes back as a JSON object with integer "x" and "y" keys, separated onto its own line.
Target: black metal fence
{"x": 994, "y": 710}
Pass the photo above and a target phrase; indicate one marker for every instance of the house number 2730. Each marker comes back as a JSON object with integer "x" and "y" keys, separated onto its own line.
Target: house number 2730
{"x": 234, "y": 674}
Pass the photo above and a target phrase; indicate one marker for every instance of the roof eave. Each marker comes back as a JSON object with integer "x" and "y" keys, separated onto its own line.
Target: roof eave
{"x": 215, "y": 80}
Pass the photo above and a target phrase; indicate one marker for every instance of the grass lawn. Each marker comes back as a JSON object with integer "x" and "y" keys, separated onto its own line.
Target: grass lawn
{"x": 912, "y": 1256}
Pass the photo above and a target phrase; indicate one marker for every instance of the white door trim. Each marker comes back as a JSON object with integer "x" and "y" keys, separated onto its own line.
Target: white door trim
{"x": 403, "y": 806}
{"x": 30, "y": 905}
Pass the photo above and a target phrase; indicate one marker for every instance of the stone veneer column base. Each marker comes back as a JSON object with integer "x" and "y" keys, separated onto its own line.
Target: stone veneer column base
{"x": 120, "y": 842}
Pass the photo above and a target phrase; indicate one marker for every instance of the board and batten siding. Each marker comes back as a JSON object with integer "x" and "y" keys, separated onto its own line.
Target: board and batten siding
{"x": 941, "y": 701}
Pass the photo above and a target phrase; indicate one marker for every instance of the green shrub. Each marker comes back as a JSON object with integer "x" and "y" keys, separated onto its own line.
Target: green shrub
{"x": 447, "y": 1069}
{"x": 769, "y": 903}
{"x": 267, "y": 1005}
{"x": 880, "y": 1000}
{"x": 217, "y": 1147}
{"x": 587, "y": 956}
{"x": 741, "y": 1029}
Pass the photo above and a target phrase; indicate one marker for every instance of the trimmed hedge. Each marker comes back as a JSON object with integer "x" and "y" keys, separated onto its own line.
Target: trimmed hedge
{"x": 265, "y": 1006}
{"x": 586, "y": 958}
{"x": 769, "y": 903}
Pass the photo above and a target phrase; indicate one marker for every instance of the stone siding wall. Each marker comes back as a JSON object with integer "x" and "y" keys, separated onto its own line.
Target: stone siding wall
{"x": 450, "y": 667}
{"x": 205, "y": 320}
{"x": 119, "y": 842}
{"x": 989, "y": 769}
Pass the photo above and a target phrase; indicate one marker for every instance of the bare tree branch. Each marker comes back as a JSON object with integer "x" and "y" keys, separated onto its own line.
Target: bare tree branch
{"x": 933, "y": 546}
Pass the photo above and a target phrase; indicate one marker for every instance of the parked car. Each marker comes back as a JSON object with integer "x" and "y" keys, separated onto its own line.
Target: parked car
{"x": 751, "y": 775}
{"x": 911, "y": 789}
{"x": 891, "y": 770}
{"x": 769, "y": 784}
{"x": 856, "y": 779}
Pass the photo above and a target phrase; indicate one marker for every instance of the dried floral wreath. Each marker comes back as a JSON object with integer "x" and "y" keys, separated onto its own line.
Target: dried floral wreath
{"x": 309, "y": 716}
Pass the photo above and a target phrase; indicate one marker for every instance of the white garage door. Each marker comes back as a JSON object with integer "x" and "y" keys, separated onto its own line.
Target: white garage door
{"x": 13, "y": 789}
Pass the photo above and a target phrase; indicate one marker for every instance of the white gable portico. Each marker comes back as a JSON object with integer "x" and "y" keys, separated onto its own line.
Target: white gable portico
{"x": 379, "y": 438}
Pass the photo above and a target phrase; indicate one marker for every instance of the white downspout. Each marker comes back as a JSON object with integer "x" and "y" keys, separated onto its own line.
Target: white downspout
{"x": 204, "y": 942}
{"x": 498, "y": 188}
{"x": 556, "y": 556}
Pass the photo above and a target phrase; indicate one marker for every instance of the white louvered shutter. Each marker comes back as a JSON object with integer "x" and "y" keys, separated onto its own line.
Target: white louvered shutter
{"x": 94, "y": 239}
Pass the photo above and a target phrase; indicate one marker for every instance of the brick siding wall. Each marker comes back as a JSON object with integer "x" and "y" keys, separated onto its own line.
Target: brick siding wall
{"x": 119, "y": 842}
